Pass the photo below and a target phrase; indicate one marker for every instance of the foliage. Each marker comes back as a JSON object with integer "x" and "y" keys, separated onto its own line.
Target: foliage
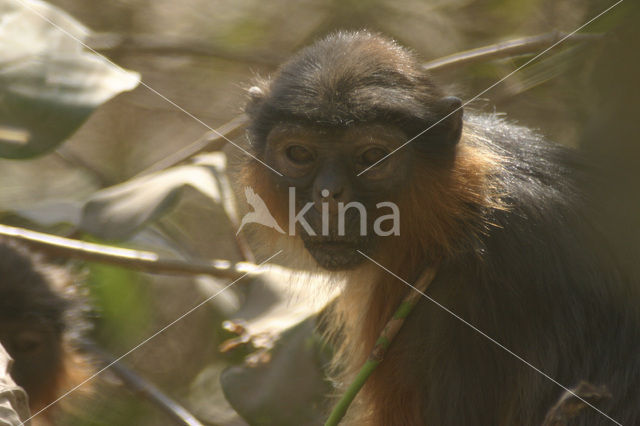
{"x": 49, "y": 84}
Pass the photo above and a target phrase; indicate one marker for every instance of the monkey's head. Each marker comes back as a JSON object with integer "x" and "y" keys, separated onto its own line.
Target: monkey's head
{"x": 334, "y": 121}
{"x": 39, "y": 312}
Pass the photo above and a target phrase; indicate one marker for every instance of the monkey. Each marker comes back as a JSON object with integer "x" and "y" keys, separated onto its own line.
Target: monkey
{"x": 529, "y": 298}
{"x": 42, "y": 314}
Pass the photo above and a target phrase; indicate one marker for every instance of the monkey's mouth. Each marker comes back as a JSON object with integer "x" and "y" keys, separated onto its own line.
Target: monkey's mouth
{"x": 336, "y": 254}
{"x": 333, "y": 244}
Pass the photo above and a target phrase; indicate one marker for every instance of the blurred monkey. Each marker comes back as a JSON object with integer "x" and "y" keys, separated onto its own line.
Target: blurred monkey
{"x": 41, "y": 313}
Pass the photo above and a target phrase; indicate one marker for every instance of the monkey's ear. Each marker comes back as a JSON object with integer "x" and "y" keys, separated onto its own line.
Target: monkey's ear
{"x": 256, "y": 95}
{"x": 448, "y": 116}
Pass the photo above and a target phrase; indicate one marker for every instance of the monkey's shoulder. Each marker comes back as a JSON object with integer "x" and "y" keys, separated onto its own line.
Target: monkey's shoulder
{"x": 547, "y": 191}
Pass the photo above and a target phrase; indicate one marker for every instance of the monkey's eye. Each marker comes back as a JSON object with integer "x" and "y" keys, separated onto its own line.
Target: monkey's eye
{"x": 299, "y": 154}
{"x": 372, "y": 156}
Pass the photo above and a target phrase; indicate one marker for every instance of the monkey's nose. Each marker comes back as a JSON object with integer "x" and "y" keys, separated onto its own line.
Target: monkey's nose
{"x": 330, "y": 198}
{"x": 331, "y": 195}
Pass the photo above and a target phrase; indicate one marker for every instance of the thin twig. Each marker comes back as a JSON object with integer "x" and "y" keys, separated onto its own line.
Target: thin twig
{"x": 504, "y": 49}
{"x": 146, "y": 261}
{"x": 178, "y": 414}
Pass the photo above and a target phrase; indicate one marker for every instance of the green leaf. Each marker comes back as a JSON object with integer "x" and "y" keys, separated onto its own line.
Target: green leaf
{"x": 48, "y": 84}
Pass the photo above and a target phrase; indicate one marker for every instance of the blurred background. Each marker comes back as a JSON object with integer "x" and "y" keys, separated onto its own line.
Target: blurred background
{"x": 202, "y": 55}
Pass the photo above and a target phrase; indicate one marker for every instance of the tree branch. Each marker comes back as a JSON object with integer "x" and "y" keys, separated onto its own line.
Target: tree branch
{"x": 146, "y": 261}
{"x": 138, "y": 385}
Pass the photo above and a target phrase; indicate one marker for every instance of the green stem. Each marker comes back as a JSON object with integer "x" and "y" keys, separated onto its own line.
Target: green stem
{"x": 341, "y": 407}
{"x": 387, "y": 335}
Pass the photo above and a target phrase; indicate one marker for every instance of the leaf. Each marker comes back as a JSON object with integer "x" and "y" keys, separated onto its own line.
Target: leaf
{"x": 284, "y": 382}
{"x": 119, "y": 211}
{"x": 206, "y": 399}
{"x": 291, "y": 389}
{"x": 14, "y": 407}
{"x": 48, "y": 85}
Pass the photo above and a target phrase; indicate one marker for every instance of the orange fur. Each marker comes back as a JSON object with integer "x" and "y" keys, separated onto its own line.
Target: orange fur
{"x": 439, "y": 212}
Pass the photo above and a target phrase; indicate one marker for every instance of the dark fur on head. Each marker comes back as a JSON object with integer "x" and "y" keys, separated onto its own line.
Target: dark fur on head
{"x": 344, "y": 79}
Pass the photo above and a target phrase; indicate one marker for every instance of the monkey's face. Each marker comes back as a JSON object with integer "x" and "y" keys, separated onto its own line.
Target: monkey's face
{"x": 331, "y": 204}
{"x": 325, "y": 120}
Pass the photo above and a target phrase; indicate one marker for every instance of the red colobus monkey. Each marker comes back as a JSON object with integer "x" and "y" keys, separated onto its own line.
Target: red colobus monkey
{"x": 501, "y": 212}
